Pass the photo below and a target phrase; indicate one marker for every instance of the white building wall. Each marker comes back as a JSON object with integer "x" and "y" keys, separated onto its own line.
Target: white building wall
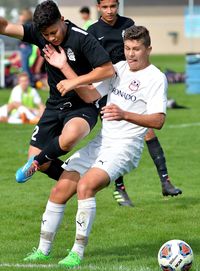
{"x": 166, "y": 26}
{"x": 165, "y": 23}
{"x": 72, "y": 14}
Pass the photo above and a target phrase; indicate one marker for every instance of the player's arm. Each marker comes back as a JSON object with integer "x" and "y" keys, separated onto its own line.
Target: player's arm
{"x": 114, "y": 112}
{"x": 12, "y": 30}
{"x": 98, "y": 74}
{"x": 87, "y": 92}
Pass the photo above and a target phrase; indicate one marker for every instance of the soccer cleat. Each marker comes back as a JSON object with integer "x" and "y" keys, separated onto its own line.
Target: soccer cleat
{"x": 36, "y": 255}
{"x": 72, "y": 260}
{"x": 24, "y": 173}
{"x": 122, "y": 198}
{"x": 169, "y": 190}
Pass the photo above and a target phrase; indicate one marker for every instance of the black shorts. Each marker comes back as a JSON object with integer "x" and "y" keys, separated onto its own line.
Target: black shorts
{"x": 53, "y": 121}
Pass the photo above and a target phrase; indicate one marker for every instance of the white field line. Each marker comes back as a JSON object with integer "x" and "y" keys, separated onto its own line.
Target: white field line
{"x": 88, "y": 267}
{"x": 28, "y": 265}
{"x": 183, "y": 125}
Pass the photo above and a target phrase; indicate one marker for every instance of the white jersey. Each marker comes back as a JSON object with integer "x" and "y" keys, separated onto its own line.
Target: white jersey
{"x": 142, "y": 92}
{"x": 17, "y": 95}
{"x": 118, "y": 147}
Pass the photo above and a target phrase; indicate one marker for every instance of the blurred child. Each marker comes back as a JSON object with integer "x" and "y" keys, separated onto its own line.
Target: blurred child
{"x": 85, "y": 15}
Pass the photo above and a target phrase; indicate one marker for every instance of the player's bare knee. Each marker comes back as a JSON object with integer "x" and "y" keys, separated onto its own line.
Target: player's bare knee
{"x": 55, "y": 192}
{"x": 67, "y": 143}
{"x": 84, "y": 190}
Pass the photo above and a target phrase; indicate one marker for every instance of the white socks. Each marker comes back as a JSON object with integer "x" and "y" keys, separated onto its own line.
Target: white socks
{"x": 51, "y": 220}
{"x": 84, "y": 220}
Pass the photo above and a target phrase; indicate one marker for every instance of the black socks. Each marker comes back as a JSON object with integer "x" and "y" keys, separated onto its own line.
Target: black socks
{"x": 158, "y": 157}
{"x": 50, "y": 152}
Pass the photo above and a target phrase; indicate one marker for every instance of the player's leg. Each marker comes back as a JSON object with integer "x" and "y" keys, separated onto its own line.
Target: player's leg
{"x": 48, "y": 128}
{"x": 106, "y": 164}
{"x": 74, "y": 130}
{"x": 78, "y": 124}
{"x": 64, "y": 189}
{"x": 157, "y": 154}
{"x": 93, "y": 181}
{"x": 120, "y": 194}
{"x": 52, "y": 169}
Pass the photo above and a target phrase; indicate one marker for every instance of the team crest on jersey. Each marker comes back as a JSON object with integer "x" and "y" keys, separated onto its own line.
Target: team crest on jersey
{"x": 134, "y": 85}
{"x": 70, "y": 54}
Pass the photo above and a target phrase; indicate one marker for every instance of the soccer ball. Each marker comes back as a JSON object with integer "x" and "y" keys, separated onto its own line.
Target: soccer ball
{"x": 175, "y": 255}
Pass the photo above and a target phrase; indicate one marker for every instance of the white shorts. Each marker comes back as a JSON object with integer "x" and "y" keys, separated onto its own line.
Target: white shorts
{"x": 114, "y": 157}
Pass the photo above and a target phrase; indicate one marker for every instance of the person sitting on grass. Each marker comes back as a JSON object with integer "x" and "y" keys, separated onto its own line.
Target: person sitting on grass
{"x": 24, "y": 105}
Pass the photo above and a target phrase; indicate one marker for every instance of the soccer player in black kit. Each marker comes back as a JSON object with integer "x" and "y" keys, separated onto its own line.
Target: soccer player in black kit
{"x": 67, "y": 118}
{"x": 108, "y": 30}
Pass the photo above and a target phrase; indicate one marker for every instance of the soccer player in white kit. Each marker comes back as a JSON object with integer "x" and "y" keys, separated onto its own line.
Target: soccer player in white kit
{"x": 137, "y": 99}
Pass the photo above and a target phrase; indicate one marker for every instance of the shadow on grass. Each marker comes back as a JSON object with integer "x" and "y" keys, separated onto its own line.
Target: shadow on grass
{"x": 135, "y": 251}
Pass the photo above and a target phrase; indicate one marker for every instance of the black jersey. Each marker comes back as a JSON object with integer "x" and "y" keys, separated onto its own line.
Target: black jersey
{"x": 111, "y": 36}
{"x": 83, "y": 54}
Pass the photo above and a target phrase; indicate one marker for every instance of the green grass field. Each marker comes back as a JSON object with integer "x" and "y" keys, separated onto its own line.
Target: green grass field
{"x": 122, "y": 238}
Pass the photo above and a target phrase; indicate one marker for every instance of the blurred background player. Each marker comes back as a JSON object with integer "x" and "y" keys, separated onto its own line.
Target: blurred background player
{"x": 25, "y": 48}
{"x": 108, "y": 30}
{"x": 85, "y": 15}
{"x": 24, "y": 105}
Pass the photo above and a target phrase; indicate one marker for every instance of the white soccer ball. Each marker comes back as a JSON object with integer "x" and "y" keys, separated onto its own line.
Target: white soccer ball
{"x": 175, "y": 255}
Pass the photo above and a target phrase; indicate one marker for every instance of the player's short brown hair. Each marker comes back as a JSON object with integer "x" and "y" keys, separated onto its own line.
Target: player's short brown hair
{"x": 138, "y": 33}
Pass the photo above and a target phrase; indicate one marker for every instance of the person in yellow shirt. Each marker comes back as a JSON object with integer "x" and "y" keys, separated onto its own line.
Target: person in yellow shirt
{"x": 24, "y": 105}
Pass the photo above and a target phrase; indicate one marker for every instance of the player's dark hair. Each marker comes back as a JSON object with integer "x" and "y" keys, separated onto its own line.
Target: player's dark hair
{"x": 46, "y": 14}
{"x": 85, "y": 10}
{"x": 98, "y": 1}
{"x": 138, "y": 33}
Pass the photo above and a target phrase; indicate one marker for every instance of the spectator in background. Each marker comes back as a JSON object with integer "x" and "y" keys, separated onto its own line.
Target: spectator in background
{"x": 37, "y": 67}
{"x": 24, "y": 105}
{"x": 85, "y": 15}
{"x": 25, "y": 48}
{"x": 29, "y": 58}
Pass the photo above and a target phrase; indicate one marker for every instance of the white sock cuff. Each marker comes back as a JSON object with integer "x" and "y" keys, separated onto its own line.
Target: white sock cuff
{"x": 87, "y": 203}
{"x": 55, "y": 207}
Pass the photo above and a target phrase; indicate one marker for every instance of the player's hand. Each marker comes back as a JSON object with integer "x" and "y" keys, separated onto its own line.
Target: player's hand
{"x": 112, "y": 112}
{"x": 65, "y": 86}
{"x": 54, "y": 58}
